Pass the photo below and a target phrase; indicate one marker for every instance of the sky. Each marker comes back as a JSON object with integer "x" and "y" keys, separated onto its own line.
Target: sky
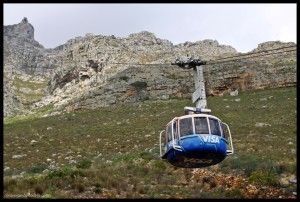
{"x": 242, "y": 26}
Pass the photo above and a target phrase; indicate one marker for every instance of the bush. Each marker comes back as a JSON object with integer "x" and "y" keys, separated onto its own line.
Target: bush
{"x": 9, "y": 184}
{"x": 39, "y": 190}
{"x": 97, "y": 189}
{"x": 124, "y": 78}
{"x": 247, "y": 163}
{"x": 139, "y": 85}
{"x": 251, "y": 163}
{"x": 234, "y": 193}
{"x": 146, "y": 155}
{"x": 80, "y": 188}
{"x": 264, "y": 177}
{"x": 37, "y": 168}
{"x": 84, "y": 164}
{"x": 65, "y": 171}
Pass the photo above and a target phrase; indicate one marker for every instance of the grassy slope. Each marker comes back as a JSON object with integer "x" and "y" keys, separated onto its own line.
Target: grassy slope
{"x": 29, "y": 98}
{"x": 113, "y": 152}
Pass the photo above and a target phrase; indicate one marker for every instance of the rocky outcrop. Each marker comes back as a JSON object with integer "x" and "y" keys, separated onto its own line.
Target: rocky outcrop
{"x": 22, "y": 30}
{"x": 271, "y": 45}
{"x": 93, "y": 61}
{"x": 23, "y": 53}
{"x": 132, "y": 85}
{"x": 206, "y": 49}
{"x": 116, "y": 84}
{"x": 262, "y": 69}
{"x": 23, "y": 57}
{"x": 11, "y": 104}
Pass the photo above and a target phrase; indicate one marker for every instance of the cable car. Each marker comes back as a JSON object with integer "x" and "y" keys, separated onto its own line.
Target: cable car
{"x": 196, "y": 139}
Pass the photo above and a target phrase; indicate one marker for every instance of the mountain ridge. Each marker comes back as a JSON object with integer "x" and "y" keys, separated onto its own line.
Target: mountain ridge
{"x": 71, "y": 70}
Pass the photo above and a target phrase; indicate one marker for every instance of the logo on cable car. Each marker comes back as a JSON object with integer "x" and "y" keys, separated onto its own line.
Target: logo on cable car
{"x": 210, "y": 139}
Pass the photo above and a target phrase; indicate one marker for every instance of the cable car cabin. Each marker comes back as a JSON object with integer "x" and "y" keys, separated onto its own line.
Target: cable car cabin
{"x": 195, "y": 140}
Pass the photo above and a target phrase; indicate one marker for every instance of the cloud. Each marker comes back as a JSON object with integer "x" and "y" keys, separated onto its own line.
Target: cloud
{"x": 241, "y": 25}
{"x": 281, "y": 18}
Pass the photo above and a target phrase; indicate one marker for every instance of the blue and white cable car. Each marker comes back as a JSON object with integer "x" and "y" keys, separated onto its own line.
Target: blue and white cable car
{"x": 196, "y": 139}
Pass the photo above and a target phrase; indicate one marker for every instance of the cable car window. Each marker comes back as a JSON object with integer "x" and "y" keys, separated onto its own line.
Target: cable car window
{"x": 214, "y": 127}
{"x": 163, "y": 140}
{"x": 166, "y": 137}
{"x": 186, "y": 126}
{"x": 169, "y": 132}
{"x": 201, "y": 126}
{"x": 175, "y": 130}
{"x": 225, "y": 131}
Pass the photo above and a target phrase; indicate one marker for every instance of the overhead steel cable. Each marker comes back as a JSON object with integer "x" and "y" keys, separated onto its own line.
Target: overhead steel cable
{"x": 226, "y": 61}
{"x": 220, "y": 60}
{"x": 252, "y": 53}
{"x": 138, "y": 63}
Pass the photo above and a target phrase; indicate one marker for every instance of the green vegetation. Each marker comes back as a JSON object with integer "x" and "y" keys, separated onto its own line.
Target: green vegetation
{"x": 113, "y": 152}
{"x": 174, "y": 76}
{"x": 34, "y": 91}
{"x": 124, "y": 78}
{"x": 84, "y": 163}
{"x": 264, "y": 177}
{"x": 38, "y": 113}
{"x": 29, "y": 98}
{"x": 139, "y": 85}
{"x": 19, "y": 83}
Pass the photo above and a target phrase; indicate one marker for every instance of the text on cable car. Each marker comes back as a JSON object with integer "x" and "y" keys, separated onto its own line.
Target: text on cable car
{"x": 210, "y": 139}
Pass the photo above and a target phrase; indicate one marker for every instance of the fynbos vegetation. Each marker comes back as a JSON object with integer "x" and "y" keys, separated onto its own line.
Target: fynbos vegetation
{"x": 113, "y": 152}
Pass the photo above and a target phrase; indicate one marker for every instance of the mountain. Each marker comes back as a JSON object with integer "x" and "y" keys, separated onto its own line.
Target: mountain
{"x": 95, "y": 70}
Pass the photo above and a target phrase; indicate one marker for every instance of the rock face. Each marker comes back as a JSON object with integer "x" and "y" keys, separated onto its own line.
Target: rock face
{"x": 262, "y": 69}
{"x": 271, "y": 45}
{"x": 23, "y": 58}
{"x": 96, "y": 70}
{"x": 115, "y": 84}
{"x": 22, "y": 30}
{"x": 92, "y": 62}
{"x": 12, "y": 104}
{"x": 26, "y": 55}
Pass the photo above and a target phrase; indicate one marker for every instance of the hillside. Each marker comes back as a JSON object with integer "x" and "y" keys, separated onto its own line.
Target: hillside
{"x": 112, "y": 152}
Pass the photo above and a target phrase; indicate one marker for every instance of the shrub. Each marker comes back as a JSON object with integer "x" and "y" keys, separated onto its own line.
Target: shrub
{"x": 160, "y": 165}
{"x": 97, "y": 189}
{"x": 264, "y": 177}
{"x": 65, "y": 171}
{"x": 84, "y": 164}
{"x": 139, "y": 85}
{"x": 39, "y": 189}
{"x": 247, "y": 163}
{"x": 146, "y": 155}
{"x": 9, "y": 184}
{"x": 234, "y": 193}
{"x": 37, "y": 168}
{"x": 78, "y": 186}
{"x": 124, "y": 78}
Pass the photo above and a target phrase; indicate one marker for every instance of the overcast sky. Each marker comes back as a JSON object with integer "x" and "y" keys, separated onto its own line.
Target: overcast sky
{"x": 242, "y": 26}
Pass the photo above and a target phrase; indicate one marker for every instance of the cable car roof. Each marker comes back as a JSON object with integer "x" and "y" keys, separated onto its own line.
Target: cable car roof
{"x": 194, "y": 115}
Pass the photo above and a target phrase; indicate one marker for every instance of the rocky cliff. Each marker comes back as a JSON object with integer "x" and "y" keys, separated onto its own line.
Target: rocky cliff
{"x": 23, "y": 53}
{"x": 115, "y": 84}
{"x": 258, "y": 69}
{"x": 27, "y": 67}
{"x": 96, "y": 70}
